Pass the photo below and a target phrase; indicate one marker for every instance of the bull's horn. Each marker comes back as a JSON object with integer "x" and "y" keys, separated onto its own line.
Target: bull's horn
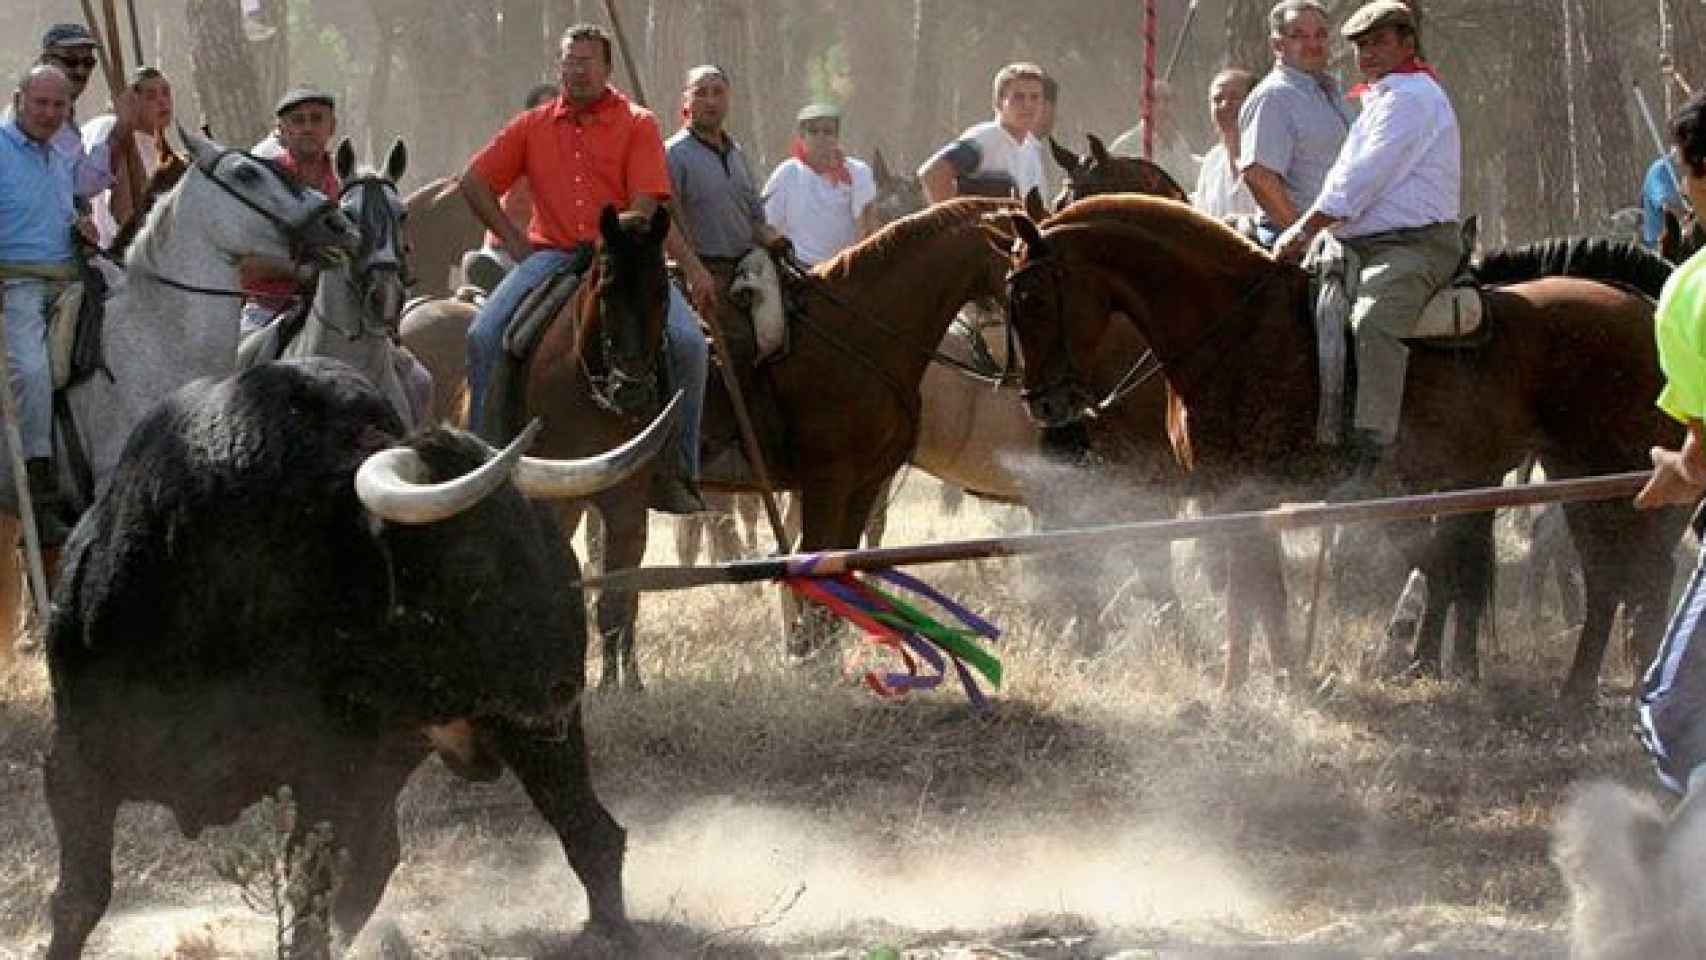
{"x": 392, "y": 484}
{"x": 565, "y": 479}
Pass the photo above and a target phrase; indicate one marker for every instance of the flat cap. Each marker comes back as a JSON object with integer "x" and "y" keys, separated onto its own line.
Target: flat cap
{"x": 818, "y": 111}
{"x": 68, "y": 35}
{"x": 1379, "y": 13}
{"x": 298, "y": 96}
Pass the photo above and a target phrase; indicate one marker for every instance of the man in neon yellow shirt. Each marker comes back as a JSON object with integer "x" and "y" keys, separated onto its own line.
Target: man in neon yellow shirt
{"x": 1673, "y": 692}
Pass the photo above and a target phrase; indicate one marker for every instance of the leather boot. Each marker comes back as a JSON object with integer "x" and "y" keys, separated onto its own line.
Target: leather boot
{"x": 49, "y": 506}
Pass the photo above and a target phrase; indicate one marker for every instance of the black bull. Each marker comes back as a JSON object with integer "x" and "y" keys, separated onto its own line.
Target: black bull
{"x": 231, "y": 619}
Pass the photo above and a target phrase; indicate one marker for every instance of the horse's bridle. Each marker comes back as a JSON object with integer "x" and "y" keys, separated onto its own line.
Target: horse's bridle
{"x": 359, "y": 273}
{"x": 610, "y": 385}
{"x": 298, "y": 233}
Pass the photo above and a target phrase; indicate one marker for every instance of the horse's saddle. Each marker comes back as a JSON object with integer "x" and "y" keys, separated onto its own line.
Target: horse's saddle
{"x": 533, "y": 316}
{"x": 1451, "y": 320}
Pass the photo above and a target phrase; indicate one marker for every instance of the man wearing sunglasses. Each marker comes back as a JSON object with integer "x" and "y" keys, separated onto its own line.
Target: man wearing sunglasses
{"x": 71, "y": 48}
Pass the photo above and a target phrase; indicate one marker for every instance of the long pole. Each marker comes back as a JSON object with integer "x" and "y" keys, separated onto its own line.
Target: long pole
{"x": 1179, "y": 44}
{"x": 21, "y": 483}
{"x": 136, "y": 32}
{"x": 831, "y": 563}
{"x": 1659, "y": 142}
{"x": 1149, "y": 79}
{"x": 627, "y": 55}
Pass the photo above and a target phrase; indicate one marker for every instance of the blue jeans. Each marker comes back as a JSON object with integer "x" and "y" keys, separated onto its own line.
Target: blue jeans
{"x": 486, "y": 335}
{"x": 689, "y": 358}
{"x": 26, "y": 306}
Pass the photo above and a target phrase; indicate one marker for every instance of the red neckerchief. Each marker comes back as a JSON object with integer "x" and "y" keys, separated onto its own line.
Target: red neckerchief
{"x": 1412, "y": 65}
{"x": 835, "y": 171}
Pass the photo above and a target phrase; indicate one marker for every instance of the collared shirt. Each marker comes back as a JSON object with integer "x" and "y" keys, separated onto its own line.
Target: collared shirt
{"x": 1401, "y": 165}
{"x": 1221, "y": 193}
{"x": 1293, "y": 123}
{"x": 36, "y": 209}
{"x": 578, "y": 160}
{"x": 986, "y": 151}
{"x": 1679, "y": 326}
{"x": 821, "y": 217}
{"x": 715, "y": 193}
{"x": 276, "y": 293}
{"x": 1658, "y": 191}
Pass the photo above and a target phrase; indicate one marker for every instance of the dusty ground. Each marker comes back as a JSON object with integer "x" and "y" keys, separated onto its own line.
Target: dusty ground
{"x": 1114, "y": 806}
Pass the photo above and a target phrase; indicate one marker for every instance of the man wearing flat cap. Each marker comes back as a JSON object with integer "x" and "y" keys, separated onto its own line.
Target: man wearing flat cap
{"x": 819, "y": 197}
{"x": 1392, "y": 198}
{"x": 306, "y": 119}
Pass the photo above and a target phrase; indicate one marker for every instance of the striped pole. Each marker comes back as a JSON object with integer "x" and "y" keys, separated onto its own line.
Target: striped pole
{"x": 1148, "y": 79}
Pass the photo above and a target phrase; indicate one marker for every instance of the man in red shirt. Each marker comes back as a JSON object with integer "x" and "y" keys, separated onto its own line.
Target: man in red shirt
{"x": 307, "y": 120}
{"x": 585, "y": 149}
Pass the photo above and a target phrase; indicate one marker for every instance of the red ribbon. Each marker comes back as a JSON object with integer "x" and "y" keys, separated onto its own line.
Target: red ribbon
{"x": 1412, "y": 65}
{"x": 835, "y": 171}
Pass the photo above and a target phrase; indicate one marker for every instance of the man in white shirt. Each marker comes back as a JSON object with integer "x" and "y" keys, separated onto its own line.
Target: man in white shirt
{"x": 820, "y": 198}
{"x": 1219, "y": 192}
{"x": 1391, "y": 197}
{"x": 995, "y": 157}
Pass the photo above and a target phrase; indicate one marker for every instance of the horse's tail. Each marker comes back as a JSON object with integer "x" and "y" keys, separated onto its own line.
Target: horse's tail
{"x": 1590, "y": 258}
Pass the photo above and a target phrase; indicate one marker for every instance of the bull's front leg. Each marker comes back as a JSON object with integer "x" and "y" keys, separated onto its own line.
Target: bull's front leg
{"x": 83, "y": 813}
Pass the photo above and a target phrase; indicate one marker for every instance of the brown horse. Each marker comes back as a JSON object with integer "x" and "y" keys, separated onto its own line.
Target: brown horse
{"x": 1568, "y": 372}
{"x": 589, "y": 380}
{"x": 440, "y": 228}
{"x": 1099, "y": 172}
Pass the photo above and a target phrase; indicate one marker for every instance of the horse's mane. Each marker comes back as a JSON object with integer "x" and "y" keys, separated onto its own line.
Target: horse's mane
{"x": 877, "y": 252}
{"x": 1179, "y": 224}
{"x": 1590, "y": 258}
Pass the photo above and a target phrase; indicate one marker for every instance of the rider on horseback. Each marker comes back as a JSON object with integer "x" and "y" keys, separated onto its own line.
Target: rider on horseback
{"x": 1391, "y": 198}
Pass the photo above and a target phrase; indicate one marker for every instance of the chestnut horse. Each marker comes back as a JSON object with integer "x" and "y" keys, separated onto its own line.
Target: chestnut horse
{"x": 1568, "y": 373}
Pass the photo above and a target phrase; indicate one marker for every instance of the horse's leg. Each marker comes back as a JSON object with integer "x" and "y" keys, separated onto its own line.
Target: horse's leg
{"x": 1255, "y": 585}
{"x": 749, "y": 508}
{"x": 689, "y": 532}
{"x": 879, "y": 514}
{"x": 824, "y": 524}
{"x": 1596, "y": 528}
{"x": 624, "y": 540}
{"x": 1468, "y": 550}
{"x": 724, "y": 529}
{"x": 12, "y": 618}
{"x": 1418, "y": 543}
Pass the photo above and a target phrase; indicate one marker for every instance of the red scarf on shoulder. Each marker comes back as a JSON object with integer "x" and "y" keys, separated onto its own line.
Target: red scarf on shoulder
{"x": 835, "y": 172}
{"x": 1412, "y": 65}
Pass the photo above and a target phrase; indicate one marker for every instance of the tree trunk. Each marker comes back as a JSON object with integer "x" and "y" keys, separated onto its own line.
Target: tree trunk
{"x": 1618, "y": 168}
{"x": 227, "y": 85}
{"x": 1247, "y": 35}
{"x": 924, "y": 122}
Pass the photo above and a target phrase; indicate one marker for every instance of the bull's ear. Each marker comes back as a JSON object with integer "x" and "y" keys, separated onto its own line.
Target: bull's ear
{"x": 879, "y": 166}
{"x": 1064, "y": 158}
{"x": 346, "y": 160}
{"x": 1034, "y": 206}
{"x": 1098, "y": 152}
{"x": 397, "y": 161}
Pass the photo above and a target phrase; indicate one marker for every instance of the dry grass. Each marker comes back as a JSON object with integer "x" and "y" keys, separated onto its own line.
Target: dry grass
{"x": 1114, "y": 801}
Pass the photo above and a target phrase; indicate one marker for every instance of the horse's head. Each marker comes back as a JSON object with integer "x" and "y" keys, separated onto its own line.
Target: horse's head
{"x": 1053, "y": 322}
{"x": 379, "y": 270}
{"x": 898, "y": 195}
{"x": 272, "y": 216}
{"x": 1680, "y": 239}
{"x": 1102, "y": 172}
{"x": 631, "y": 296}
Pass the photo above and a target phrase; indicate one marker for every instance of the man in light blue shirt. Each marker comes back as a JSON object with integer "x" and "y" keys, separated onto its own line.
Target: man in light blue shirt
{"x": 1659, "y": 190}
{"x": 1293, "y": 123}
{"x": 37, "y": 217}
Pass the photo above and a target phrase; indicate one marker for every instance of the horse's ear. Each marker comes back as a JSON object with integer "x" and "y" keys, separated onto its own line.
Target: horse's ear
{"x": 609, "y": 223}
{"x": 1064, "y": 158}
{"x": 397, "y": 161}
{"x": 879, "y": 166}
{"x": 1026, "y": 230}
{"x": 660, "y": 222}
{"x": 346, "y": 159}
{"x": 1098, "y": 151}
{"x": 1034, "y": 206}
{"x": 202, "y": 150}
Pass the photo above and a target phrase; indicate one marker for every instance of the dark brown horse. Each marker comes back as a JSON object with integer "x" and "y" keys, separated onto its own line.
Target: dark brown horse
{"x": 1569, "y": 373}
{"x": 1099, "y": 172}
{"x": 590, "y": 380}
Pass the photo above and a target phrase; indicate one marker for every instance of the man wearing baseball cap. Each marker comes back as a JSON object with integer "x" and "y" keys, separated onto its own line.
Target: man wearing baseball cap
{"x": 71, "y": 48}
{"x": 1391, "y": 197}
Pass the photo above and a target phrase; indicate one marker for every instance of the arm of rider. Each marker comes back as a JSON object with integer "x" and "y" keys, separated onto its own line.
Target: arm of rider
{"x": 701, "y": 286}
{"x": 938, "y": 180}
{"x": 1270, "y": 194}
{"x": 773, "y": 240}
{"x": 1294, "y": 242}
{"x": 1679, "y": 476}
{"x": 484, "y": 203}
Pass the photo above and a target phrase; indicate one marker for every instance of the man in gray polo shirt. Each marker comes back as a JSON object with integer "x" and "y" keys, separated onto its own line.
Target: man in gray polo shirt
{"x": 1295, "y": 120}
{"x": 717, "y": 206}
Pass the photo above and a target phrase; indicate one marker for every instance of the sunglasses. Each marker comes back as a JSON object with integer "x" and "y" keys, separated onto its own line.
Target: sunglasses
{"x": 826, "y": 128}
{"x": 74, "y": 63}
